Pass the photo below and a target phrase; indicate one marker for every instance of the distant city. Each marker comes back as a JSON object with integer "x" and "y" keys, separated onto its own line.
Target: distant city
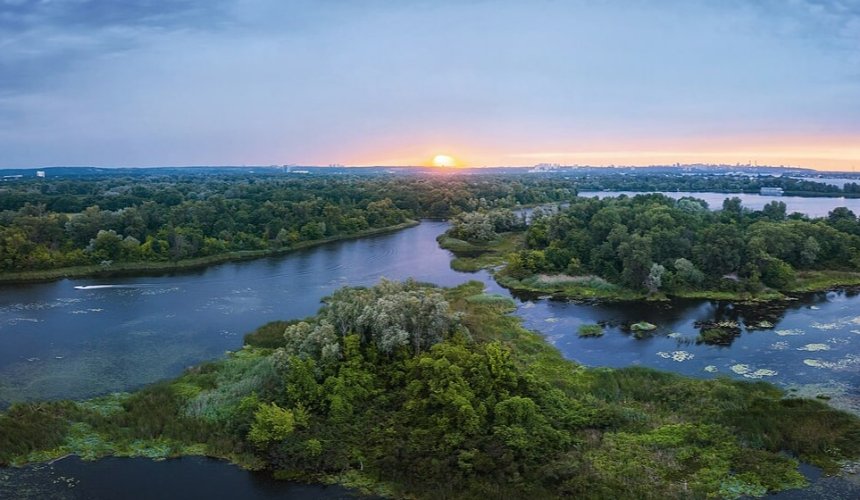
{"x": 749, "y": 169}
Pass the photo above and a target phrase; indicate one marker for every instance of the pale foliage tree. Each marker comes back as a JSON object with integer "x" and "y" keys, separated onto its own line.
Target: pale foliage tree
{"x": 391, "y": 315}
{"x": 473, "y": 226}
{"x": 317, "y": 341}
{"x": 654, "y": 280}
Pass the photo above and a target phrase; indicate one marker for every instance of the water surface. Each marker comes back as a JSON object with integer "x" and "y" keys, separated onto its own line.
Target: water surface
{"x": 144, "y": 479}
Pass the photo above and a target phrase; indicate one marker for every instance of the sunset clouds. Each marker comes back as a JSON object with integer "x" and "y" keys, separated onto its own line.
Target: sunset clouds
{"x": 375, "y": 82}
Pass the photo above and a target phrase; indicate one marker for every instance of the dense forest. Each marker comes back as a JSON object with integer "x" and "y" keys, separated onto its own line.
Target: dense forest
{"x": 654, "y": 244}
{"x": 407, "y": 390}
{"x": 109, "y": 220}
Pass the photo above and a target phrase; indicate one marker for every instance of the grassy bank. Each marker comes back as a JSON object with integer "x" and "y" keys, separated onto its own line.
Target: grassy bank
{"x": 474, "y": 256}
{"x": 595, "y": 288}
{"x": 490, "y": 410}
{"x": 145, "y": 268}
{"x": 816, "y": 281}
{"x": 571, "y": 287}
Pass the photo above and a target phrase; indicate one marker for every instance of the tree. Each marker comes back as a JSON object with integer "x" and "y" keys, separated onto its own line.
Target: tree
{"x": 732, "y": 208}
{"x": 809, "y": 252}
{"x": 636, "y": 259}
{"x": 392, "y": 315}
{"x": 473, "y": 226}
{"x": 688, "y": 274}
{"x": 654, "y": 280}
{"x": 107, "y": 245}
{"x": 271, "y": 423}
{"x": 718, "y": 251}
{"x": 776, "y": 273}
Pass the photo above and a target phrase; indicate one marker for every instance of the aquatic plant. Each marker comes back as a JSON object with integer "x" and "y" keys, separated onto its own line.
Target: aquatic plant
{"x": 717, "y": 335}
{"x": 592, "y": 330}
{"x": 814, "y": 347}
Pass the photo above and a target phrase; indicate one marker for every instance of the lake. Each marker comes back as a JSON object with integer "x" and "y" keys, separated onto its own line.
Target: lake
{"x": 58, "y": 341}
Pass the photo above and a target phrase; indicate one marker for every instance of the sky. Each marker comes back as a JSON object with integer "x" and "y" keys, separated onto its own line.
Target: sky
{"x": 375, "y": 82}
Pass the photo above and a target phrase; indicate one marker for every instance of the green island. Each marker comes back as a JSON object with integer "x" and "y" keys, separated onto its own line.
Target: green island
{"x": 650, "y": 247}
{"x": 408, "y": 390}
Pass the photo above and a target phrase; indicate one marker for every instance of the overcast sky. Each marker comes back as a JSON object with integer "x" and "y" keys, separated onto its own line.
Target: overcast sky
{"x": 232, "y": 82}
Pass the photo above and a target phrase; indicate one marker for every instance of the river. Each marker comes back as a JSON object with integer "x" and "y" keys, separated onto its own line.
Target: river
{"x": 59, "y": 341}
{"x": 813, "y": 207}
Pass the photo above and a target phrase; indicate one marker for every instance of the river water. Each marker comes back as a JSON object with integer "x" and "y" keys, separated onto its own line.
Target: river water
{"x": 59, "y": 341}
{"x": 813, "y": 207}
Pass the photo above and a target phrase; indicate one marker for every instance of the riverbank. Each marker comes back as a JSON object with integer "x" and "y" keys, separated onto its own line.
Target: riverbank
{"x": 148, "y": 268}
{"x": 595, "y": 288}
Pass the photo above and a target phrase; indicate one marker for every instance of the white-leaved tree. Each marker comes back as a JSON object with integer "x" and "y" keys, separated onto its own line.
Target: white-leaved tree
{"x": 391, "y": 315}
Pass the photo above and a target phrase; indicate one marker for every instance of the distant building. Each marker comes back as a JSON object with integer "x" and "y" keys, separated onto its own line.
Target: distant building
{"x": 772, "y": 191}
{"x": 545, "y": 167}
{"x": 40, "y": 173}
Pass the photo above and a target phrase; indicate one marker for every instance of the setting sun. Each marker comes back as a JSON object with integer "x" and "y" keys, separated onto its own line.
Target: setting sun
{"x": 444, "y": 161}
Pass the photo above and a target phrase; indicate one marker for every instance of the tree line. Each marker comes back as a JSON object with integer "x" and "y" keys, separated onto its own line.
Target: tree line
{"x": 656, "y": 243}
{"x": 53, "y": 224}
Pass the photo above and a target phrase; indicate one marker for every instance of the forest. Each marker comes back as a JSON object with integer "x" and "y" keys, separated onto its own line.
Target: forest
{"x": 652, "y": 245}
{"x": 408, "y": 390}
{"x": 107, "y": 221}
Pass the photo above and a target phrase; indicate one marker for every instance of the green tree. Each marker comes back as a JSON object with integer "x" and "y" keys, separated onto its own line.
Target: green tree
{"x": 271, "y": 423}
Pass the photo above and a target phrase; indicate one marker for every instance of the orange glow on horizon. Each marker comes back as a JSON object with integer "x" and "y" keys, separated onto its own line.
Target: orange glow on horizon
{"x": 832, "y": 153}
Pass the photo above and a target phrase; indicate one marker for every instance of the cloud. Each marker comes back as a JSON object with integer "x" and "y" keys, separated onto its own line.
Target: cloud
{"x": 43, "y": 39}
{"x": 268, "y": 81}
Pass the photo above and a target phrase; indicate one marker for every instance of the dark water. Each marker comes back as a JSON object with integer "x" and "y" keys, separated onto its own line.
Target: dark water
{"x": 144, "y": 479}
{"x": 813, "y": 207}
{"x": 57, "y": 341}
{"x": 812, "y": 347}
